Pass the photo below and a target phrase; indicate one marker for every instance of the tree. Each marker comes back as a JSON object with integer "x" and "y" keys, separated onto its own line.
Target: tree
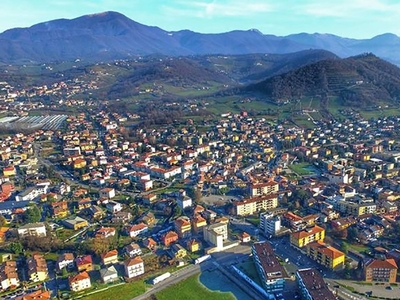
{"x": 32, "y": 214}
{"x": 16, "y": 247}
{"x": 352, "y": 234}
{"x": 3, "y": 221}
{"x": 344, "y": 247}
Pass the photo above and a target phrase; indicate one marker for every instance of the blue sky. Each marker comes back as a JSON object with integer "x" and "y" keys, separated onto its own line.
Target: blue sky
{"x": 347, "y": 18}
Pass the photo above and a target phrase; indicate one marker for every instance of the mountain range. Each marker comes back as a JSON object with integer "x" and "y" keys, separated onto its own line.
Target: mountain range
{"x": 111, "y": 35}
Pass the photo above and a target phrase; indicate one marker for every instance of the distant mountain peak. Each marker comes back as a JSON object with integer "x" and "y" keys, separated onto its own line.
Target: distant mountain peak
{"x": 105, "y": 14}
{"x": 255, "y": 30}
{"x": 87, "y": 37}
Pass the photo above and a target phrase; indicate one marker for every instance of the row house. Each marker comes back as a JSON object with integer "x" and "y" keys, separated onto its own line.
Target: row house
{"x": 37, "y": 268}
{"x": 8, "y": 275}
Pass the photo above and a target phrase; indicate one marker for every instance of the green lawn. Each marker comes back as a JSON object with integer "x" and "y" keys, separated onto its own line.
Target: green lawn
{"x": 358, "y": 247}
{"x": 120, "y": 292}
{"x": 300, "y": 169}
{"x": 192, "y": 289}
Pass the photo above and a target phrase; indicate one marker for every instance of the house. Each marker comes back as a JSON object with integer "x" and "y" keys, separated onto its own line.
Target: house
{"x": 183, "y": 227}
{"x": 184, "y": 202}
{"x": 36, "y": 295}
{"x": 37, "y": 268}
{"x": 75, "y": 223}
{"x": 59, "y": 209}
{"x": 84, "y": 203}
{"x": 380, "y": 270}
{"x": 177, "y": 251}
{"x": 198, "y": 222}
{"x": 8, "y": 275}
{"x": 149, "y": 243}
{"x": 113, "y": 207}
{"x": 134, "y": 267}
{"x": 121, "y": 217}
{"x": 245, "y": 237}
{"x": 65, "y": 260}
{"x": 79, "y": 282}
{"x": 133, "y": 250}
{"x": 109, "y": 274}
{"x": 84, "y": 263}
{"x": 107, "y": 193}
{"x": 148, "y": 218}
{"x": 95, "y": 212}
{"x": 9, "y": 171}
{"x": 32, "y": 229}
{"x": 193, "y": 245}
{"x": 110, "y": 257}
{"x": 135, "y": 230}
{"x": 105, "y": 232}
{"x": 169, "y": 238}
{"x": 149, "y": 199}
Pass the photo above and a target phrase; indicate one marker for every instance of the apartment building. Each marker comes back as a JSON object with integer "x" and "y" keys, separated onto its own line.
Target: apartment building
{"x": 271, "y": 272}
{"x": 380, "y": 270}
{"x": 312, "y": 285}
{"x": 270, "y": 224}
{"x": 255, "y": 204}
{"x": 326, "y": 255}
{"x": 302, "y": 238}
{"x": 262, "y": 188}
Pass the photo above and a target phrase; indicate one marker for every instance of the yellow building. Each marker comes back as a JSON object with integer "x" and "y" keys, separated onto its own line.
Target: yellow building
{"x": 302, "y": 238}
{"x": 193, "y": 245}
{"x": 9, "y": 171}
{"x": 198, "y": 222}
{"x": 326, "y": 255}
{"x": 183, "y": 227}
{"x": 79, "y": 164}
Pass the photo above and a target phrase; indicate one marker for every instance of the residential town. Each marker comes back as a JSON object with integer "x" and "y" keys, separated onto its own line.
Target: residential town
{"x": 92, "y": 203}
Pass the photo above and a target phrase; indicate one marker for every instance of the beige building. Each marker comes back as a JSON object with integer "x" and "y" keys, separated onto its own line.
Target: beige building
{"x": 255, "y": 204}
{"x": 263, "y": 188}
{"x": 216, "y": 234}
{"x": 381, "y": 270}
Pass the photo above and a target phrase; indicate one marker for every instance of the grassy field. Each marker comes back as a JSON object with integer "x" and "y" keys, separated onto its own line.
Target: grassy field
{"x": 120, "y": 292}
{"x": 191, "y": 289}
{"x": 300, "y": 169}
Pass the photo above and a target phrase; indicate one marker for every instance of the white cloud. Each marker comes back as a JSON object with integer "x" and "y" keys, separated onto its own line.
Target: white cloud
{"x": 345, "y": 8}
{"x": 231, "y": 8}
